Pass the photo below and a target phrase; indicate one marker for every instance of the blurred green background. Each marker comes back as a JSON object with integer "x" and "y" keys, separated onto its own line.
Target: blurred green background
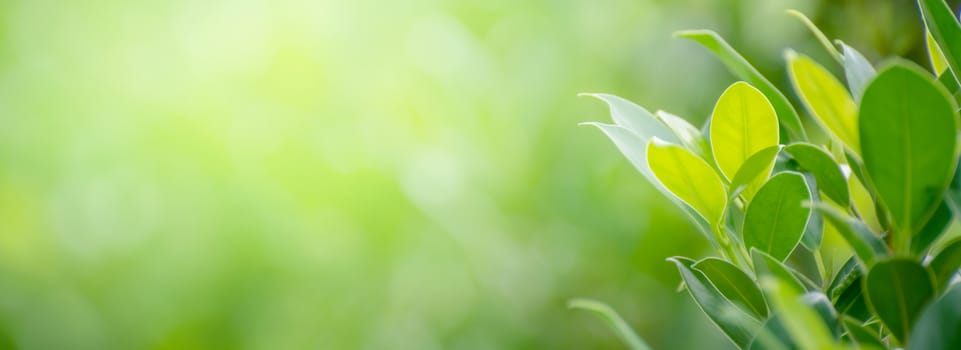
{"x": 362, "y": 174}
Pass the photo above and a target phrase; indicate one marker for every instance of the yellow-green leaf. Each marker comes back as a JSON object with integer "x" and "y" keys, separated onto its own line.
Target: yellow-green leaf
{"x": 825, "y": 98}
{"x": 938, "y": 63}
{"x": 689, "y": 178}
{"x": 743, "y": 123}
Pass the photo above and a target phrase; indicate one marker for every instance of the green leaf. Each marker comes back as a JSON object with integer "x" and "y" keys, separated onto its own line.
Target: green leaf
{"x": 734, "y": 284}
{"x": 857, "y": 70}
{"x": 825, "y": 98}
{"x": 765, "y": 265}
{"x": 939, "y": 327}
{"x": 846, "y": 275}
{"x": 861, "y": 334}
{"x": 822, "y": 305}
{"x": 635, "y": 118}
{"x": 620, "y": 327}
{"x": 946, "y": 263}
{"x": 743, "y": 70}
{"x": 689, "y": 136}
{"x": 819, "y": 163}
{"x": 738, "y": 326}
{"x": 939, "y": 64}
{"x": 801, "y": 321}
{"x": 898, "y": 290}
{"x": 933, "y": 229}
{"x": 775, "y": 218}
{"x": 817, "y": 34}
{"x": 742, "y": 124}
{"x": 772, "y": 336}
{"x": 689, "y": 177}
{"x": 907, "y": 121}
{"x": 866, "y": 245}
{"x": 753, "y": 173}
{"x": 852, "y": 302}
{"x": 945, "y": 29}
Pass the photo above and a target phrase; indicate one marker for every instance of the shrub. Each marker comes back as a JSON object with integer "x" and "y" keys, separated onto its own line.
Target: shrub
{"x": 763, "y": 194}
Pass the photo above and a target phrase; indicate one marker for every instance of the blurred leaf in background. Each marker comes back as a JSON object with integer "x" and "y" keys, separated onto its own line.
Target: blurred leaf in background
{"x": 359, "y": 174}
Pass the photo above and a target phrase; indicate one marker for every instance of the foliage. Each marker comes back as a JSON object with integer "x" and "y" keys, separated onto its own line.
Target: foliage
{"x": 885, "y": 181}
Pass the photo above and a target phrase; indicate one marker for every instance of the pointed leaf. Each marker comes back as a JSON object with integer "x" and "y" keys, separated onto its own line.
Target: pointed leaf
{"x": 635, "y": 118}
{"x": 688, "y": 135}
{"x": 898, "y": 290}
{"x": 742, "y": 124}
{"x": 620, "y": 327}
{"x": 866, "y": 245}
{"x": 939, "y": 327}
{"x": 939, "y": 64}
{"x": 946, "y": 264}
{"x": 729, "y": 318}
{"x": 765, "y": 265}
{"x": 825, "y": 98}
{"x": 861, "y": 334}
{"x": 858, "y": 71}
{"x": 734, "y": 284}
{"x": 753, "y": 173}
{"x": 689, "y": 177}
{"x": 823, "y": 39}
{"x": 932, "y": 230}
{"x": 775, "y": 218}
{"x": 944, "y": 27}
{"x": 907, "y": 120}
{"x": 830, "y": 179}
{"x": 743, "y": 70}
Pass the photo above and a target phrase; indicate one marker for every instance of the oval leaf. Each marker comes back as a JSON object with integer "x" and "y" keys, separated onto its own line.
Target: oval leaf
{"x": 826, "y": 171}
{"x": 734, "y": 284}
{"x": 939, "y": 327}
{"x": 946, "y": 264}
{"x": 898, "y": 290}
{"x": 765, "y": 265}
{"x": 825, "y": 98}
{"x": 689, "y": 177}
{"x": 743, "y": 123}
{"x": 775, "y": 218}
{"x": 743, "y": 70}
{"x": 688, "y": 135}
{"x": 753, "y": 173}
{"x": 908, "y": 138}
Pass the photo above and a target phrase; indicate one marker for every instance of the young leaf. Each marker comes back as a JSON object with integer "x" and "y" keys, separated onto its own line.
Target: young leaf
{"x": 801, "y": 321}
{"x": 743, "y": 70}
{"x": 866, "y": 245}
{"x": 825, "y": 98}
{"x": 946, "y": 264}
{"x": 730, "y": 319}
{"x": 742, "y": 124}
{"x": 819, "y": 163}
{"x": 817, "y": 34}
{"x": 689, "y": 177}
{"x": 688, "y": 135}
{"x": 753, "y": 173}
{"x": 620, "y": 327}
{"x": 635, "y": 149}
{"x": 765, "y": 265}
{"x": 734, "y": 284}
{"x": 898, "y": 290}
{"x": 907, "y": 121}
{"x": 944, "y": 27}
{"x": 635, "y": 118}
{"x": 775, "y": 218}
{"x": 939, "y": 64}
{"x": 939, "y": 327}
{"x": 857, "y": 70}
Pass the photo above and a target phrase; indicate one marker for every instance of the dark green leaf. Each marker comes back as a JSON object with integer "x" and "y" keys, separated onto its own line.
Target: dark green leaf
{"x": 862, "y": 335}
{"x": 851, "y": 302}
{"x": 846, "y": 275}
{"x": 908, "y": 121}
{"x": 826, "y": 171}
{"x": 933, "y": 229}
{"x": 898, "y": 290}
{"x": 742, "y": 69}
{"x": 775, "y": 218}
{"x": 939, "y": 327}
{"x": 734, "y": 284}
{"x": 946, "y": 263}
{"x": 765, "y": 265}
{"x": 737, "y": 325}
